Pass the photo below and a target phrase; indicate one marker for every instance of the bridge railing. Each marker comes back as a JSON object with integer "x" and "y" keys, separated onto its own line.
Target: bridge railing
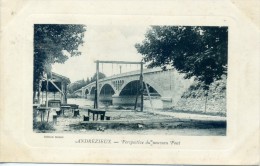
{"x": 127, "y": 74}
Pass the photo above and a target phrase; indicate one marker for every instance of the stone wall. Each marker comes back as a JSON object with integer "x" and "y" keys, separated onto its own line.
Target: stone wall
{"x": 194, "y": 98}
{"x": 198, "y": 105}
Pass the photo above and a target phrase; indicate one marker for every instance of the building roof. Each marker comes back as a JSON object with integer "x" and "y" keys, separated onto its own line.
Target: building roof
{"x": 63, "y": 78}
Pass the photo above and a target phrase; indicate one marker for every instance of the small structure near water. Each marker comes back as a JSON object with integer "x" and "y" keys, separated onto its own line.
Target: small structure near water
{"x": 54, "y": 88}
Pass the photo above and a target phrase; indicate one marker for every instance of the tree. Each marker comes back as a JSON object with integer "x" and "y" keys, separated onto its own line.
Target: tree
{"x": 196, "y": 51}
{"x": 88, "y": 81}
{"x": 81, "y": 83}
{"x": 54, "y": 43}
{"x": 76, "y": 85}
{"x": 100, "y": 76}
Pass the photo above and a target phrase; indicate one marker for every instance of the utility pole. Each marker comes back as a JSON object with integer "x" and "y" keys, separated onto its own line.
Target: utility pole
{"x": 47, "y": 89}
{"x": 97, "y": 84}
{"x": 142, "y": 87}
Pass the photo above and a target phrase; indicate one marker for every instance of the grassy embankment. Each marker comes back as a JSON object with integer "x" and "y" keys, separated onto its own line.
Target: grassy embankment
{"x": 193, "y": 100}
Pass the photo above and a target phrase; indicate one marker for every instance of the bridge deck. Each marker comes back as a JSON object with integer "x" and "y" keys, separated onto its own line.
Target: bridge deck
{"x": 127, "y": 74}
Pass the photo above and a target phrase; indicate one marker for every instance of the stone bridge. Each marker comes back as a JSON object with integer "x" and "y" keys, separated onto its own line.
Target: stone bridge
{"x": 121, "y": 89}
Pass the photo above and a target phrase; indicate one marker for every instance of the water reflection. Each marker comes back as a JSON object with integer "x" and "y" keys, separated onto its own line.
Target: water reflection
{"x": 157, "y": 103}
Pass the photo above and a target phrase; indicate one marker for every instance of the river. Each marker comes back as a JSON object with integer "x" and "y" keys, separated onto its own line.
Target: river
{"x": 157, "y": 103}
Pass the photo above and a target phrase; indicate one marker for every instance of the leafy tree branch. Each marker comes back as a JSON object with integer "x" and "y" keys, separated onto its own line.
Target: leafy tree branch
{"x": 196, "y": 51}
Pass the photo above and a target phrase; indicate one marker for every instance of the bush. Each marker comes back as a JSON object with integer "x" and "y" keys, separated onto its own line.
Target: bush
{"x": 42, "y": 126}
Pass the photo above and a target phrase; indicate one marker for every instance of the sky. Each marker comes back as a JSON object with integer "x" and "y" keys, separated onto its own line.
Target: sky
{"x": 104, "y": 43}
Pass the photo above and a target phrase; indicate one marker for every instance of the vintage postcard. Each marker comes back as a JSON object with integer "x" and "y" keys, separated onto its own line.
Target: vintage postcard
{"x": 117, "y": 82}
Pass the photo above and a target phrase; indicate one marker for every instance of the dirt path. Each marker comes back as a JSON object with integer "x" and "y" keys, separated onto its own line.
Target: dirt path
{"x": 189, "y": 116}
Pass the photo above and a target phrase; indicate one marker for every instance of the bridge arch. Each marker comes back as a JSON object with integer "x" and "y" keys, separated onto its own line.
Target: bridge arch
{"x": 157, "y": 87}
{"x": 92, "y": 90}
{"x": 131, "y": 88}
{"x": 106, "y": 93}
{"x": 107, "y": 89}
{"x": 86, "y": 92}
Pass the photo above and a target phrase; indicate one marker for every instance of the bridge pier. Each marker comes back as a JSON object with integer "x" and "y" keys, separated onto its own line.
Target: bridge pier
{"x": 167, "y": 102}
{"x": 91, "y": 97}
{"x": 106, "y": 98}
{"x": 125, "y": 100}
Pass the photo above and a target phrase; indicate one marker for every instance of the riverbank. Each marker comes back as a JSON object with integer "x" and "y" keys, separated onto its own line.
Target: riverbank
{"x": 126, "y": 121}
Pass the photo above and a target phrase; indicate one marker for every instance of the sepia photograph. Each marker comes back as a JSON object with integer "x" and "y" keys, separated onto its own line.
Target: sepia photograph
{"x": 130, "y": 82}
{"x": 154, "y": 79}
